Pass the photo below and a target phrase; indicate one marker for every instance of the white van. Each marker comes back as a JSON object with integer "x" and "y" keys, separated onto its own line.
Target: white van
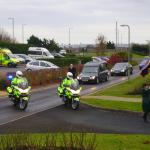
{"x": 39, "y": 52}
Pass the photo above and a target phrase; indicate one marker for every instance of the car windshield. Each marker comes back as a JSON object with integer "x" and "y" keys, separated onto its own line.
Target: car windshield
{"x": 12, "y": 55}
{"x": 90, "y": 69}
{"x": 75, "y": 85}
{"x": 119, "y": 66}
{"x": 23, "y": 84}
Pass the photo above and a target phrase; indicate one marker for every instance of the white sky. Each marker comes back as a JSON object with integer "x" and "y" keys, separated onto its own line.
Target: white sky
{"x": 86, "y": 19}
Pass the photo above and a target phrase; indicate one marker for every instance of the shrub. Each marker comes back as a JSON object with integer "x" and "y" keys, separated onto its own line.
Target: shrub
{"x": 15, "y": 47}
{"x": 3, "y": 84}
{"x": 62, "y": 62}
{"x": 114, "y": 59}
{"x": 84, "y": 59}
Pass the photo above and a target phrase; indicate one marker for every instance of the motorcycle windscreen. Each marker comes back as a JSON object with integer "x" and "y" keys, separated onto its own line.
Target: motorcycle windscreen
{"x": 23, "y": 83}
{"x": 75, "y": 85}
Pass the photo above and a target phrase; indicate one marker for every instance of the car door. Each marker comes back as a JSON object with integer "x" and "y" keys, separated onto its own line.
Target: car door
{"x": 103, "y": 72}
{"x": 42, "y": 65}
{"x": 34, "y": 65}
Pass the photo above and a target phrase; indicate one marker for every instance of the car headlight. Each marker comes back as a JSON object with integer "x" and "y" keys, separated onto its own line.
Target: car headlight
{"x": 112, "y": 70}
{"x": 92, "y": 77}
{"x": 78, "y": 77}
{"x": 122, "y": 70}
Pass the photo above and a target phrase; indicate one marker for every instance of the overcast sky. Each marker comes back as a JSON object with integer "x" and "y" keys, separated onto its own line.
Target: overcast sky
{"x": 85, "y": 18}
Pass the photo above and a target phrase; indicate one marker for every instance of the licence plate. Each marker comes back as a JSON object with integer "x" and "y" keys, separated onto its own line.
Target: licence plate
{"x": 76, "y": 99}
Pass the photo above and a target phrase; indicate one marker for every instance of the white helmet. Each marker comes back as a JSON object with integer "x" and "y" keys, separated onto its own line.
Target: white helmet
{"x": 69, "y": 75}
{"x": 19, "y": 73}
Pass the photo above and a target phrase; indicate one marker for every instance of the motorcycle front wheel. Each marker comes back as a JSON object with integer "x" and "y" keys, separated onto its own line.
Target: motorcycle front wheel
{"x": 23, "y": 104}
{"x": 75, "y": 105}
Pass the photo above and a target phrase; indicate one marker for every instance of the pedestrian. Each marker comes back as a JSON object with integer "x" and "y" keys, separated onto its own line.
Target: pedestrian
{"x": 72, "y": 69}
{"x": 146, "y": 101}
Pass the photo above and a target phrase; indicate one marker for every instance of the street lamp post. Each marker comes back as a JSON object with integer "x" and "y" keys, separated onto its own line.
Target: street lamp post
{"x": 69, "y": 41}
{"x": 124, "y": 25}
{"x": 13, "y": 34}
{"x": 148, "y": 41}
{"x": 23, "y": 32}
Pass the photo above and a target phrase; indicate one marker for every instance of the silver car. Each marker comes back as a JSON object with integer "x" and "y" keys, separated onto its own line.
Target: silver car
{"x": 38, "y": 65}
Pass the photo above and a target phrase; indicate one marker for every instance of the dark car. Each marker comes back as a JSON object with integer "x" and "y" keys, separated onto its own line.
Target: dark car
{"x": 94, "y": 72}
{"x": 122, "y": 69}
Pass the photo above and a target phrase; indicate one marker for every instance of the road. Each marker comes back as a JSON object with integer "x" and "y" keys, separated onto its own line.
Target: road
{"x": 45, "y": 112}
{"x": 86, "y": 119}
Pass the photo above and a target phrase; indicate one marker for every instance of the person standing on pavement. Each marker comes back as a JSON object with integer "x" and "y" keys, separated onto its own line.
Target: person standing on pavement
{"x": 72, "y": 69}
{"x": 146, "y": 101}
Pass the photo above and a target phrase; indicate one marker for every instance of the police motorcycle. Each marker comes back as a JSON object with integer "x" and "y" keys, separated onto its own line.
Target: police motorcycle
{"x": 19, "y": 94}
{"x": 70, "y": 94}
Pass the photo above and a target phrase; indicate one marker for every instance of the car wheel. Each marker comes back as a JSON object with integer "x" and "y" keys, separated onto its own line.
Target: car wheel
{"x": 97, "y": 80}
{"x": 10, "y": 65}
{"x": 107, "y": 78}
{"x": 126, "y": 73}
{"x": 29, "y": 70}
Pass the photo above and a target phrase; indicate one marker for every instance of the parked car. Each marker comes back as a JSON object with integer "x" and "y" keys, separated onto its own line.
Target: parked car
{"x": 143, "y": 62}
{"x": 25, "y": 57}
{"x": 39, "y": 52}
{"x": 94, "y": 72}
{"x": 63, "y": 52}
{"x": 38, "y": 64}
{"x": 57, "y": 55}
{"x": 122, "y": 68}
{"x": 21, "y": 60}
{"x": 101, "y": 58}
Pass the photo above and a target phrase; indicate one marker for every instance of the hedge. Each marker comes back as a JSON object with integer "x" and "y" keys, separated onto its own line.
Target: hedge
{"x": 62, "y": 62}
{"x": 15, "y": 47}
{"x": 42, "y": 77}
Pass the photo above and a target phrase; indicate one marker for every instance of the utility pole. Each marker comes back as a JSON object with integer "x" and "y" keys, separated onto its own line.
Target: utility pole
{"x": 23, "y": 33}
{"x": 13, "y": 32}
{"x": 116, "y": 36}
{"x": 124, "y": 25}
{"x": 69, "y": 42}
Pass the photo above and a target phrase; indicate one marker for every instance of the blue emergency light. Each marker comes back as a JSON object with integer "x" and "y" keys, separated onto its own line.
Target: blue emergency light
{"x": 10, "y": 76}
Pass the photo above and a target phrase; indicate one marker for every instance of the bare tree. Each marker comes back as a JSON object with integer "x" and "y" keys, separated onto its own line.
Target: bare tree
{"x": 5, "y": 37}
{"x": 101, "y": 45}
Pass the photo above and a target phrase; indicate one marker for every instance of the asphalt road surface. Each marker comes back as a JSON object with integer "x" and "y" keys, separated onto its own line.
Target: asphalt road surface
{"x": 54, "y": 115}
{"x": 86, "y": 119}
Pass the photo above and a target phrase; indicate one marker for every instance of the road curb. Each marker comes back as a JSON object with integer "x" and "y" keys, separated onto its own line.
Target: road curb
{"x": 113, "y": 110}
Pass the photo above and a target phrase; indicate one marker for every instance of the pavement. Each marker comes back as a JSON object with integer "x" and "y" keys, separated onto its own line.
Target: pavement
{"x": 113, "y": 98}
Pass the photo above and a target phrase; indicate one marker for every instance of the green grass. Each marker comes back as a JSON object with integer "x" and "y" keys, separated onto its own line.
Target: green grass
{"x": 137, "y": 56}
{"x": 131, "y": 88}
{"x": 115, "y": 105}
{"x": 102, "y": 141}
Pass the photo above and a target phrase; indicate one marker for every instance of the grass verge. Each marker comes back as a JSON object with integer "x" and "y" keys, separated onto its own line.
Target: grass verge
{"x": 79, "y": 140}
{"x": 131, "y": 88}
{"x": 115, "y": 105}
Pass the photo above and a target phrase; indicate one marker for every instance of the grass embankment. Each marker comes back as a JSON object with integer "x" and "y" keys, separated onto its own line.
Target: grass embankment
{"x": 131, "y": 88}
{"x": 74, "y": 141}
{"x": 115, "y": 105}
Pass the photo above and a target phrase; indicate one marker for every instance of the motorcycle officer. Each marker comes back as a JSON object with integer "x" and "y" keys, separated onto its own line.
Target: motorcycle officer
{"x": 65, "y": 83}
{"x": 15, "y": 81}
